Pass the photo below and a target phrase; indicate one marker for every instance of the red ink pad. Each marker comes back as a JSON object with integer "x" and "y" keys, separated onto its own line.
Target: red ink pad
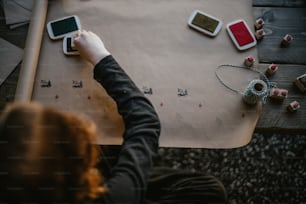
{"x": 241, "y": 34}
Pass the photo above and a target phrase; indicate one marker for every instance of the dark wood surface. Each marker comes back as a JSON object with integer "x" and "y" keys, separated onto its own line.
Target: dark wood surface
{"x": 279, "y": 3}
{"x": 15, "y": 36}
{"x": 18, "y": 38}
{"x": 275, "y": 116}
{"x": 278, "y": 23}
{"x": 283, "y": 17}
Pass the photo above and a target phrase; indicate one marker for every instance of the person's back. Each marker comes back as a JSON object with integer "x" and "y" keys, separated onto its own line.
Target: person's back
{"x": 48, "y": 156}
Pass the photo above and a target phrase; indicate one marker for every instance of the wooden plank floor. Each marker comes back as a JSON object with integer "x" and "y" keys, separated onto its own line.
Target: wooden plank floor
{"x": 280, "y": 21}
{"x": 279, "y": 3}
{"x": 18, "y": 38}
{"x": 275, "y": 116}
{"x": 283, "y": 17}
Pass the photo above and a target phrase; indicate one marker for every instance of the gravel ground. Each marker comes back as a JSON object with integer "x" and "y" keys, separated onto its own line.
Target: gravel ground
{"x": 270, "y": 169}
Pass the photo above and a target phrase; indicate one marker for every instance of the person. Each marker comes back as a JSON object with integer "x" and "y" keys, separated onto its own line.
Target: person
{"x": 49, "y": 156}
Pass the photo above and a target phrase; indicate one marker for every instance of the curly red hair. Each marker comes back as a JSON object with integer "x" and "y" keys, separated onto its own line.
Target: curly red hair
{"x": 47, "y": 156}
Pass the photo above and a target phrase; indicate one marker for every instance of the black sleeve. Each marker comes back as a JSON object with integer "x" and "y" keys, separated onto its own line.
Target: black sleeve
{"x": 128, "y": 181}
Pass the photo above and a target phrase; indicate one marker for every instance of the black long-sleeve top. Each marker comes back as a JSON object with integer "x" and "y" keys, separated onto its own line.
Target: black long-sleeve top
{"x": 129, "y": 176}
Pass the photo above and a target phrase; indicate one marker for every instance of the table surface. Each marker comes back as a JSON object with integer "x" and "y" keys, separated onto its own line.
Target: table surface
{"x": 185, "y": 132}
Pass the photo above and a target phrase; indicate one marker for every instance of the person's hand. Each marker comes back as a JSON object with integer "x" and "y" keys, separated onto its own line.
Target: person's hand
{"x": 90, "y": 46}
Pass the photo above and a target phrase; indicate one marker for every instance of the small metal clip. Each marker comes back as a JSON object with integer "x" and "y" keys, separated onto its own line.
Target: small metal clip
{"x": 77, "y": 84}
{"x": 182, "y": 92}
{"x": 45, "y": 83}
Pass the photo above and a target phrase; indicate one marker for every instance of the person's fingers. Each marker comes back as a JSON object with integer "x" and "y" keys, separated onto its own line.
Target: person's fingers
{"x": 76, "y": 39}
{"x": 77, "y": 35}
{"x": 81, "y": 33}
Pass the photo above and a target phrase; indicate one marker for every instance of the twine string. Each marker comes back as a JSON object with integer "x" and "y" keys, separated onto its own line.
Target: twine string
{"x": 262, "y": 76}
